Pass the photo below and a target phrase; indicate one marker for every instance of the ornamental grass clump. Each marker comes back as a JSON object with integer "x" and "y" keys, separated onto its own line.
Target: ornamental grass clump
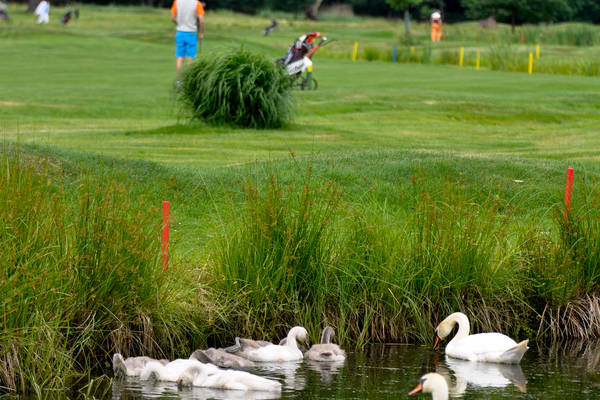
{"x": 238, "y": 88}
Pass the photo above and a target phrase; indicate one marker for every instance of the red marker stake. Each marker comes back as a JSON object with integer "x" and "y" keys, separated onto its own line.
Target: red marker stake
{"x": 568, "y": 190}
{"x": 165, "y": 235}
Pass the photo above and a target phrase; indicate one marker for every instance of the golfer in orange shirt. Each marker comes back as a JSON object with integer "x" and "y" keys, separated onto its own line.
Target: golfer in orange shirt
{"x": 436, "y": 26}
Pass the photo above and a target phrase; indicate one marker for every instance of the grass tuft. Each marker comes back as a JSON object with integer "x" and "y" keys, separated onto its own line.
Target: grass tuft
{"x": 238, "y": 87}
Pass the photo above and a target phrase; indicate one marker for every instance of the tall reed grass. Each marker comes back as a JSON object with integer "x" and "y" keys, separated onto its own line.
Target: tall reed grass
{"x": 297, "y": 253}
{"x": 80, "y": 277}
{"x": 238, "y": 88}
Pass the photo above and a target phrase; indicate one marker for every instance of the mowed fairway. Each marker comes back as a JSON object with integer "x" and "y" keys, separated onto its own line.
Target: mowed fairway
{"x": 102, "y": 86}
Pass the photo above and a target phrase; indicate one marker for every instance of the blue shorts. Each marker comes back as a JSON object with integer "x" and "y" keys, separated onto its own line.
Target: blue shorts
{"x": 185, "y": 44}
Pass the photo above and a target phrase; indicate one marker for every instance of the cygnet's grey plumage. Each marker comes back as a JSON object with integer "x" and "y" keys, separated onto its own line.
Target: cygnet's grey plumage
{"x": 243, "y": 346}
{"x": 326, "y": 351}
{"x": 221, "y": 358}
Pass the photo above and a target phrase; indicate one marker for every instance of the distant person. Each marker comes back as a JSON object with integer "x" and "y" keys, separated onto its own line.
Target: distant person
{"x": 43, "y": 12}
{"x": 66, "y": 18}
{"x": 69, "y": 15}
{"x": 436, "y": 26}
{"x": 270, "y": 28}
{"x": 188, "y": 15}
{"x": 3, "y": 13}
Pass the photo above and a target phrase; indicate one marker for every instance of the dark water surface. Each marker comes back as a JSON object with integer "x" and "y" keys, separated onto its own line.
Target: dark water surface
{"x": 567, "y": 371}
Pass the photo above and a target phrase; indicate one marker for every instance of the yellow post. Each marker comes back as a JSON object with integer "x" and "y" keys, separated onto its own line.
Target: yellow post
{"x": 462, "y": 56}
{"x": 537, "y": 51}
{"x": 355, "y": 52}
{"x": 530, "y": 63}
{"x": 309, "y": 77}
{"x": 412, "y": 51}
{"x": 478, "y": 60}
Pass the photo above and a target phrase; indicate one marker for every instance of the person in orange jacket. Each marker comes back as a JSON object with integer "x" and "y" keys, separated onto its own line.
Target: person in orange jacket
{"x": 436, "y": 26}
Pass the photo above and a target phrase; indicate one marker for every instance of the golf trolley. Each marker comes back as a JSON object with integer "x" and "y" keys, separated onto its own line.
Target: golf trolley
{"x": 298, "y": 61}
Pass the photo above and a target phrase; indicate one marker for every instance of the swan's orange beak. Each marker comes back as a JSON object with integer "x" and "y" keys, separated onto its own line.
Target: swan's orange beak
{"x": 416, "y": 390}
{"x": 436, "y": 342}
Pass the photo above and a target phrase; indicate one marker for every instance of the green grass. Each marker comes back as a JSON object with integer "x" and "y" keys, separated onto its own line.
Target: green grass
{"x": 400, "y": 192}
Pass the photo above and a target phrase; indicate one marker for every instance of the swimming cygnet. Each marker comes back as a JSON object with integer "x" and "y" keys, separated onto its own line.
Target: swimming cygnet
{"x": 281, "y": 353}
{"x": 172, "y": 371}
{"x": 131, "y": 366}
{"x": 221, "y": 358}
{"x": 202, "y": 376}
{"x": 326, "y": 351}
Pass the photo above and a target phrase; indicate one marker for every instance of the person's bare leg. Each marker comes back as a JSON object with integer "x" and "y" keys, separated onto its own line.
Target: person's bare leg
{"x": 178, "y": 66}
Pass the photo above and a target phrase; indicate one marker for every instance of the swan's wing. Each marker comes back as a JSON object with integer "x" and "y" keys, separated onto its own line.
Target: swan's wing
{"x": 486, "y": 342}
{"x": 202, "y": 356}
{"x": 480, "y": 347}
{"x": 253, "y": 344}
{"x": 224, "y": 359}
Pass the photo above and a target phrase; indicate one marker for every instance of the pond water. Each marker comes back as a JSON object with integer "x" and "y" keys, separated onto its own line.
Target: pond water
{"x": 567, "y": 371}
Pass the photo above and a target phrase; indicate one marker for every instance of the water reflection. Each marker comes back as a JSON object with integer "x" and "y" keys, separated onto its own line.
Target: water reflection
{"x": 565, "y": 370}
{"x": 133, "y": 388}
{"x": 290, "y": 373}
{"x": 326, "y": 370}
{"x": 579, "y": 354}
{"x": 481, "y": 375}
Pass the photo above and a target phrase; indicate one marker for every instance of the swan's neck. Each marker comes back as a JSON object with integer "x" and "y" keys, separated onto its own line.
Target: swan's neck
{"x": 463, "y": 326}
{"x": 327, "y": 336}
{"x": 440, "y": 393}
{"x": 291, "y": 341}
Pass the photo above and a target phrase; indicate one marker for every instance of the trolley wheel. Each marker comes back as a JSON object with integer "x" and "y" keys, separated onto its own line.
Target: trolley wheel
{"x": 313, "y": 84}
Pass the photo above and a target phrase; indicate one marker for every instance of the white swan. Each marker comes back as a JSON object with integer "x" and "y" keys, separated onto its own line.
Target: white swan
{"x": 202, "y": 376}
{"x": 432, "y": 383}
{"x": 171, "y": 371}
{"x": 325, "y": 351}
{"x": 279, "y": 353}
{"x": 131, "y": 366}
{"x": 489, "y": 347}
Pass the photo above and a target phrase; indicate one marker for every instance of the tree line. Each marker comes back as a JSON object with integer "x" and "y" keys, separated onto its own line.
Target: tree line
{"x": 509, "y": 11}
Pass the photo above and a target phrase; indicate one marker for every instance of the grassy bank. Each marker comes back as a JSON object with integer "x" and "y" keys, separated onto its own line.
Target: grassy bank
{"x": 400, "y": 193}
{"x": 281, "y": 250}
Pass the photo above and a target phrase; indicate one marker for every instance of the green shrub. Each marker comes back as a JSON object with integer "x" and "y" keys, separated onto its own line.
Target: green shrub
{"x": 371, "y": 54}
{"x": 238, "y": 88}
{"x": 449, "y": 56}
